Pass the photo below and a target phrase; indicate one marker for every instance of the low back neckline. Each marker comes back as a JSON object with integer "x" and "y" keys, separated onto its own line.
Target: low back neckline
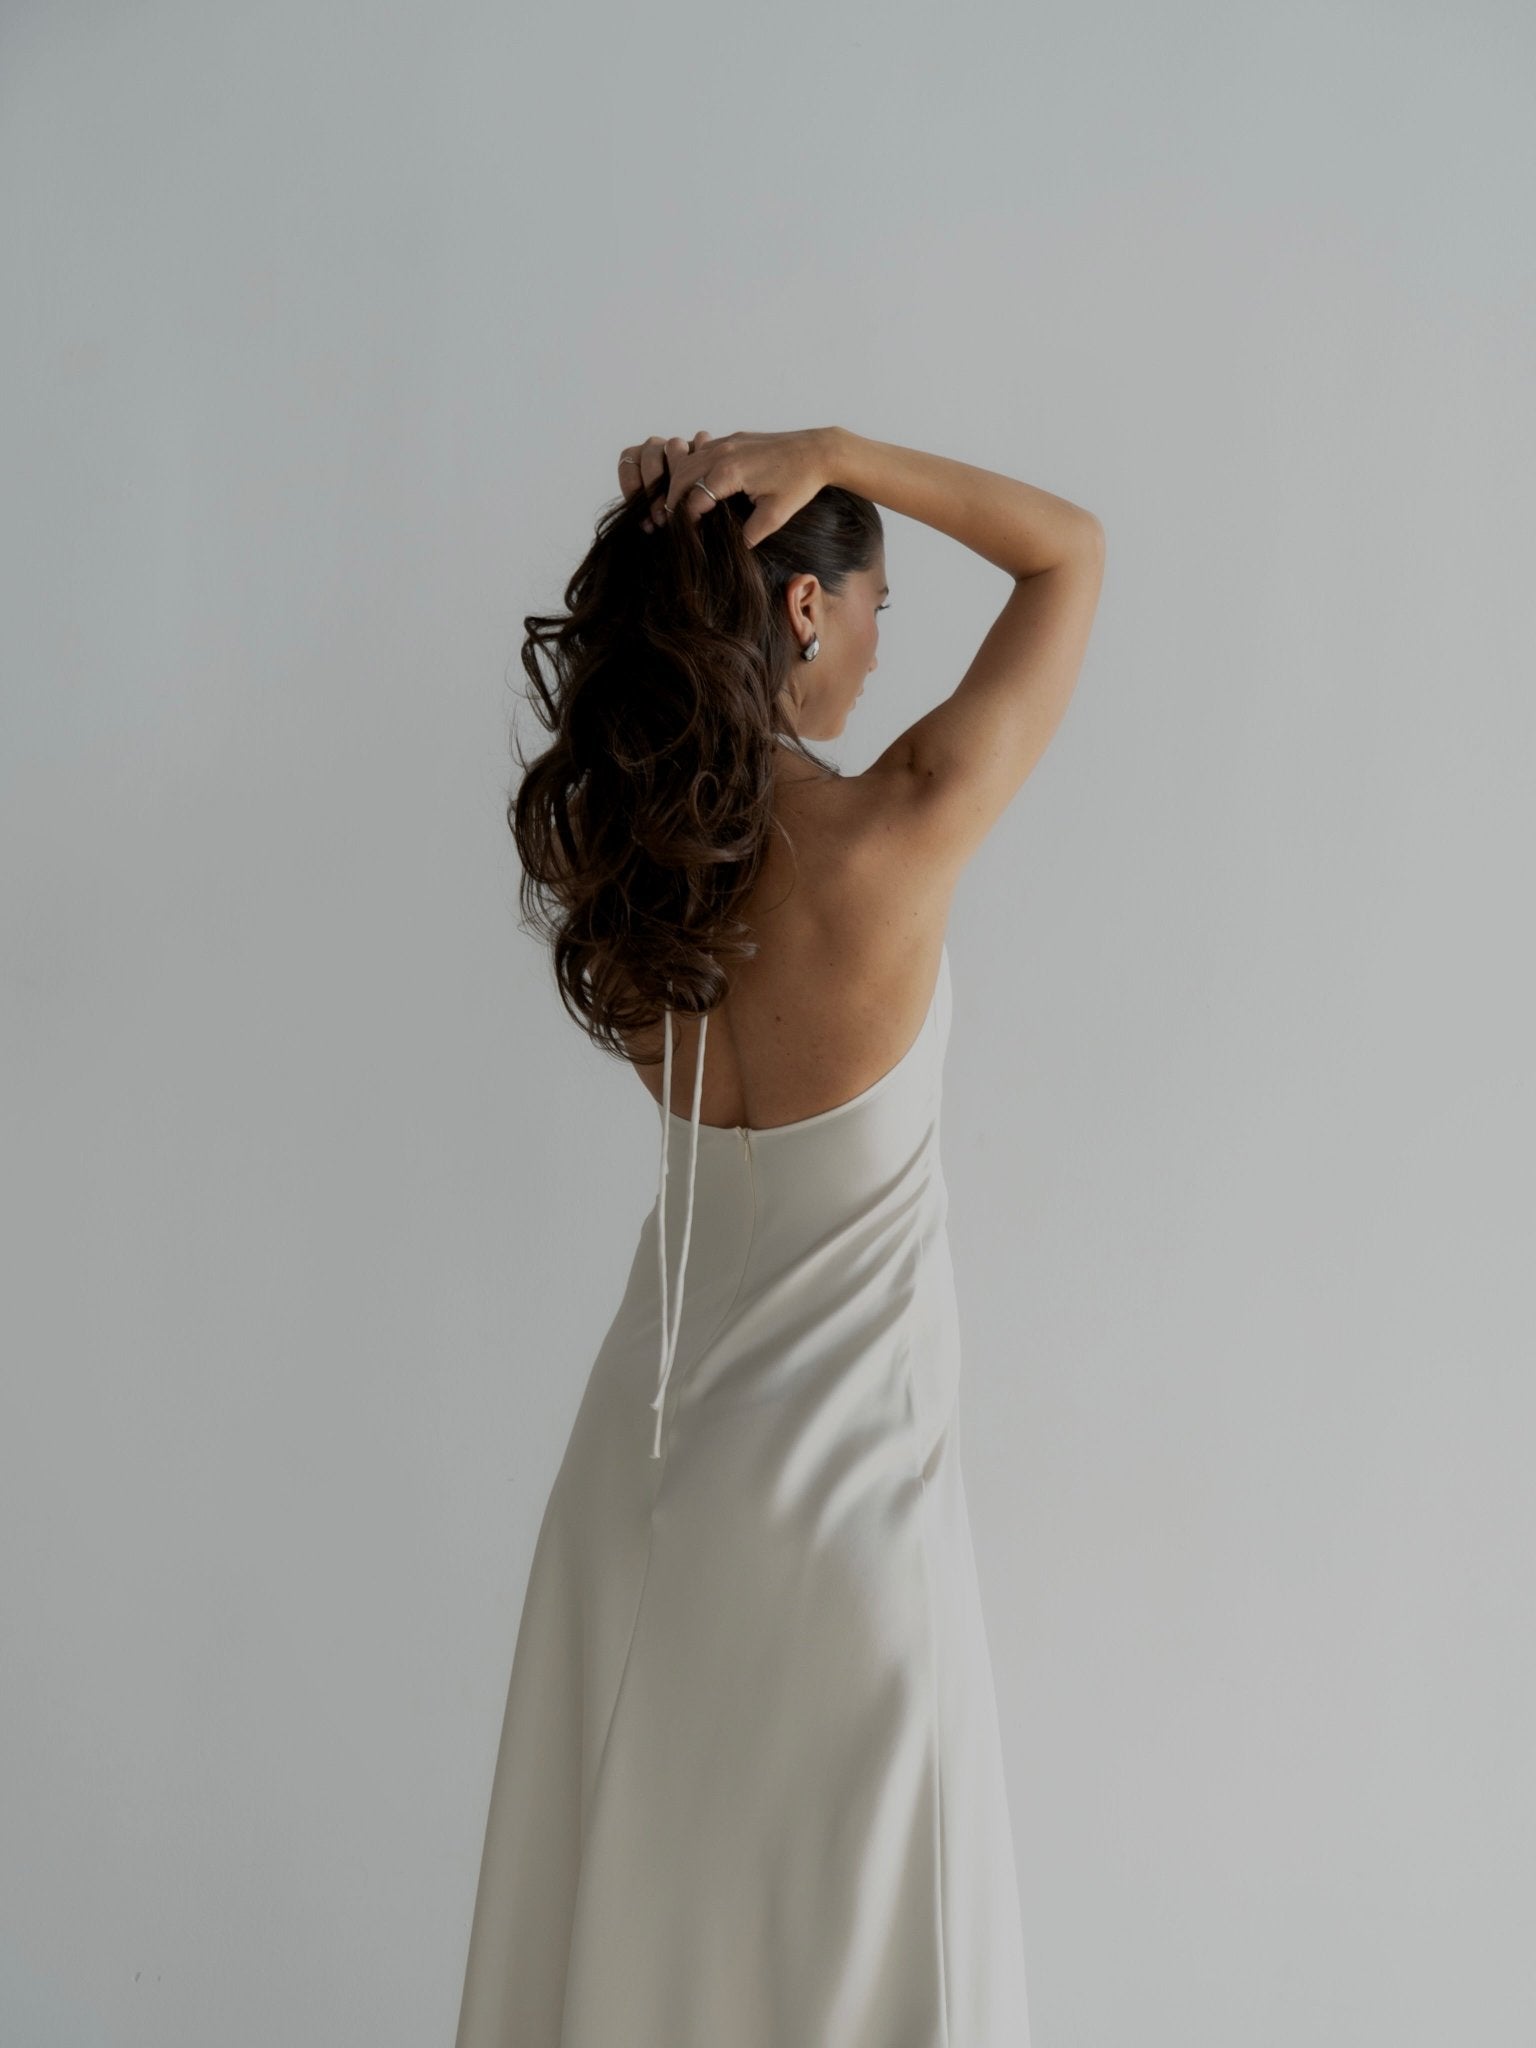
{"x": 671, "y": 1324}
{"x": 817, "y": 1117}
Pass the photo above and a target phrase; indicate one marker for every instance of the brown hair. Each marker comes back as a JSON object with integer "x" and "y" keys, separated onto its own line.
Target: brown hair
{"x": 644, "y": 823}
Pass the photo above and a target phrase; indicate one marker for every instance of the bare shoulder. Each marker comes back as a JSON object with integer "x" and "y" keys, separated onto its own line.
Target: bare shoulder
{"x": 890, "y": 876}
{"x": 849, "y": 912}
{"x": 944, "y": 782}
{"x": 853, "y": 882}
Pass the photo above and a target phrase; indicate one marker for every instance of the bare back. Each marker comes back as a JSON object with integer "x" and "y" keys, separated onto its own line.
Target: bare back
{"x": 849, "y": 933}
{"x": 850, "y": 927}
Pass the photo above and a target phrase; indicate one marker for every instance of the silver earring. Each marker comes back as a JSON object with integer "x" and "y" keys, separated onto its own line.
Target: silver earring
{"x": 810, "y": 653}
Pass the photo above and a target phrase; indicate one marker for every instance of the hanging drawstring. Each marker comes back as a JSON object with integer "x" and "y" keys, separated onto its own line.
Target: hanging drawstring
{"x": 669, "y": 1334}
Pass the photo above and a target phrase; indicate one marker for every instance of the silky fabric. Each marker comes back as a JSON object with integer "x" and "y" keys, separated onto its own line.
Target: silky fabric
{"x": 750, "y": 1791}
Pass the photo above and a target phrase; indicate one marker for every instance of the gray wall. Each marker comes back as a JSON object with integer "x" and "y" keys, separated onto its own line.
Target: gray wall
{"x": 324, "y": 328}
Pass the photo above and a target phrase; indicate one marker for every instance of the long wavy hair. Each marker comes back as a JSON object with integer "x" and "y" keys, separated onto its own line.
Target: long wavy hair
{"x": 644, "y": 823}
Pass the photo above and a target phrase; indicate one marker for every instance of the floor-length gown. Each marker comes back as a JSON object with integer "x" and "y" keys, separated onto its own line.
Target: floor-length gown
{"x": 750, "y": 1789}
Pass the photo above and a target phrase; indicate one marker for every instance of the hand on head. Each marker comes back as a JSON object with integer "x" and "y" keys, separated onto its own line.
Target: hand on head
{"x": 778, "y": 472}
{"x": 645, "y": 467}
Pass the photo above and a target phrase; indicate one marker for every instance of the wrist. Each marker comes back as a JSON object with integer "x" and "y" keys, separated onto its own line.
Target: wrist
{"x": 831, "y": 449}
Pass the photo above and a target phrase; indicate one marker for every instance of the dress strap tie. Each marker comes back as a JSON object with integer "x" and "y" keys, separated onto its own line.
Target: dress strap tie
{"x": 669, "y": 1332}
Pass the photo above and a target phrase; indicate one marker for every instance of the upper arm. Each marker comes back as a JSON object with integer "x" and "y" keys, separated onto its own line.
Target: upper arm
{"x": 964, "y": 761}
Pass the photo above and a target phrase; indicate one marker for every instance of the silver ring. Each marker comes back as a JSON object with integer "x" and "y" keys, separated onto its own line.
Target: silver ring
{"x": 628, "y": 458}
{"x": 707, "y": 492}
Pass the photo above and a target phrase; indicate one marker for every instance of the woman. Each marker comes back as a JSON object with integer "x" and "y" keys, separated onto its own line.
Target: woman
{"x": 750, "y": 1787}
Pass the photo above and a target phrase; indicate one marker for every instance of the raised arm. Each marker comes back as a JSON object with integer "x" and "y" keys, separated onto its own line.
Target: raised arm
{"x": 954, "y": 771}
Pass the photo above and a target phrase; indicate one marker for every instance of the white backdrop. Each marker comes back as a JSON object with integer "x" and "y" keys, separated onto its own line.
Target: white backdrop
{"x": 324, "y": 328}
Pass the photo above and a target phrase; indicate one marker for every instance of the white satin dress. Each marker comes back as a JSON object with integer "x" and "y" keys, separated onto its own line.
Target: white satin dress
{"x": 749, "y": 1791}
